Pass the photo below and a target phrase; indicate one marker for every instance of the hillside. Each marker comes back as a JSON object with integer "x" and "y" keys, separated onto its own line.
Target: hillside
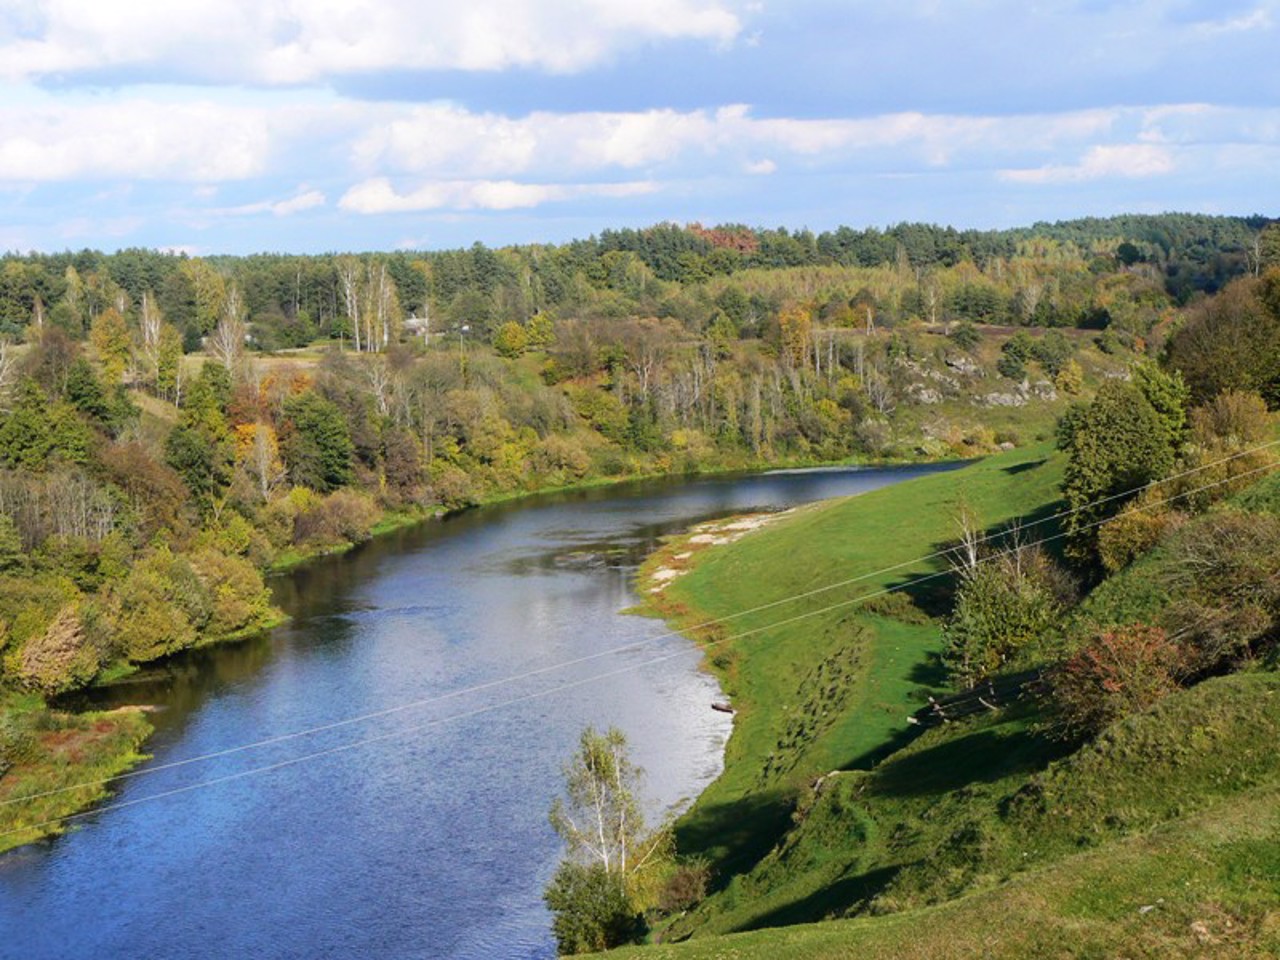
{"x": 997, "y": 835}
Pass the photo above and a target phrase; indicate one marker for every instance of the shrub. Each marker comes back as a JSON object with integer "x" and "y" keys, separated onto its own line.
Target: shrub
{"x": 1223, "y": 570}
{"x": 686, "y": 887}
{"x": 1010, "y": 366}
{"x": 966, "y": 336}
{"x": 1138, "y": 527}
{"x": 344, "y": 516}
{"x": 591, "y": 909}
{"x": 1115, "y": 674}
{"x": 1115, "y": 444}
{"x": 60, "y": 659}
{"x": 1069, "y": 378}
{"x": 1004, "y": 604}
{"x": 511, "y": 340}
{"x": 238, "y": 598}
{"x": 1053, "y": 351}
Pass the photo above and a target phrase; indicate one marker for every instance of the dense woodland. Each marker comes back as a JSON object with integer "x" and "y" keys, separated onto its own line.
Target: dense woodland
{"x": 175, "y": 428}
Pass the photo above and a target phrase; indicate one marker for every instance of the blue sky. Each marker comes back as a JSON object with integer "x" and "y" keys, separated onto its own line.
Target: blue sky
{"x": 235, "y": 126}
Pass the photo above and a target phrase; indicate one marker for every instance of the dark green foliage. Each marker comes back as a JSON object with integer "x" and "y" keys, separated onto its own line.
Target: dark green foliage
{"x": 591, "y": 909}
{"x": 1052, "y": 351}
{"x": 965, "y": 336}
{"x": 1168, "y": 395}
{"x": 1004, "y": 604}
{"x": 36, "y": 432}
{"x": 1010, "y": 366}
{"x": 190, "y": 452}
{"x": 1115, "y": 445}
{"x": 316, "y": 447}
{"x": 1014, "y": 354}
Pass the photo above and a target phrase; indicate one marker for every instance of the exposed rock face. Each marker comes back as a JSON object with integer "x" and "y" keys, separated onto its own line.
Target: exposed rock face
{"x": 1020, "y": 395}
{"x": 965, "y": 366}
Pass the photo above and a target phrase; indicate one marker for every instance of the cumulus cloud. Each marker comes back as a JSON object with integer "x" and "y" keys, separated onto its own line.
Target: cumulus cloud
{"x": 1130, "y": 161}
{"x": 445, "y": 140}
{"x": 181, "y": 135}
{"x": 135, "y": 139}
{"x": 379, "y": 196}
{"x": 301, "y": 41}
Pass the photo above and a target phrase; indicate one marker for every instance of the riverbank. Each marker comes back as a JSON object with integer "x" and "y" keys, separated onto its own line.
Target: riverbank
{"x": 63, "y": 761}
{"x": 824, "y": 678}
{"x": 110, "y": 756}
{"x": 993, "y": 835}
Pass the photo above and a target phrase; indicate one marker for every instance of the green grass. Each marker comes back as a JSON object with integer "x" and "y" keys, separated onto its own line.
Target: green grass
{"x": 781, "y": 737}
{"x": 976, "y": 841}
{"x": 984, "y": 838}
{"x": 1203, "y": 887}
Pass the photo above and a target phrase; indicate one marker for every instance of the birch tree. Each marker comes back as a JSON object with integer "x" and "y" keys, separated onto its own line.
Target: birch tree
{"x": 226, "y": 343}
{"x": 150, "y": 322}
{"x": 352, "y": 293}
{"x": 599, "y": 817}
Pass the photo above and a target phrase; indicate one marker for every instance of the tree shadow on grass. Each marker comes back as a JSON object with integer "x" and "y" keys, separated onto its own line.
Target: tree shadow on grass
{"x": 832, "y": 899}
{"x": 735, "y": 836}
{"x": 983, "y": 756}
{"x": 930, "y": 672}
{"x": 1024, "y": 467}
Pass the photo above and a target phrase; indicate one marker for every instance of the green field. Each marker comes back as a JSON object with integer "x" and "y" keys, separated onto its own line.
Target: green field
{"x": 783, "y": 679}
{"x": 984, "y": 838}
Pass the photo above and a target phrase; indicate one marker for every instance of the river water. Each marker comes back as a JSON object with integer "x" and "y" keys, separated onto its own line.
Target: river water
{"x": 423, "y": 833}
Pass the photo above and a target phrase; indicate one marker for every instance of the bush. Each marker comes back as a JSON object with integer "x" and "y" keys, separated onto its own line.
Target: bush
{"x": 1116, "y": 444}
{"x": 592, "y": 911}
{"x": 1115, "y": 674}
{"x": 345, "y": 516}
{"x": 1053, "y": 351}
{"x": 686, "y": 887}
{"x": 1010, "y": 366}
{"x": 1069, "y": 378}
{"x": 60, "y": 659}
{"x": 966, "y": 336}
{"x": 1004, "y": 604}
{"x": 1138, "y": 528}
{"x": 1223, "y": 571}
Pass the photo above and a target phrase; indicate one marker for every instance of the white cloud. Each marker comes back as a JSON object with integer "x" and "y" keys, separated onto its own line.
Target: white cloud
{"x": 1258, "y": 19}
{"x": 379, "y": 196}
{"x": 446, "y": 141}
{"x": 136, "y": 139}
{"x": 1130, "y": 161}
{"x": 302, "y": 41}
{"x": 761, "y": 168}
{"x": 304, "y": 199}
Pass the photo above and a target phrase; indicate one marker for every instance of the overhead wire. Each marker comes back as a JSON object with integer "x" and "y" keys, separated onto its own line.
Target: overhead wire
{"x": 489, "y": 708}
{"x": 625, "y": 648}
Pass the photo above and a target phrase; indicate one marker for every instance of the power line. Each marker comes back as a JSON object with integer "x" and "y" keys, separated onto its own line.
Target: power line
{"x": 701, "y": 648}
{"x": 639, "y": 644}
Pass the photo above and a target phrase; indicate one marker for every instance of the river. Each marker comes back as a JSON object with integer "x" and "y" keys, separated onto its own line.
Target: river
{"x": 423, "y": 833}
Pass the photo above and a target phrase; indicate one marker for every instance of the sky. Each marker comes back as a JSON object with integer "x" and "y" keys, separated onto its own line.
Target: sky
{"x": 308, "y": 126}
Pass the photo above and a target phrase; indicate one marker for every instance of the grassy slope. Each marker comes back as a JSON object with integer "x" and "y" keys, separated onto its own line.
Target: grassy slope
{"x": 988, "y": 838}
{"x": 793, "y": 720}
{"x": 1199, "y": 888}
{"x": 976, "y": 855}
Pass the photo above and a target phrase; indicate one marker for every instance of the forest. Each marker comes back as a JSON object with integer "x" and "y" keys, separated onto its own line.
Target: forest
{"x": 175, "y": 429}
